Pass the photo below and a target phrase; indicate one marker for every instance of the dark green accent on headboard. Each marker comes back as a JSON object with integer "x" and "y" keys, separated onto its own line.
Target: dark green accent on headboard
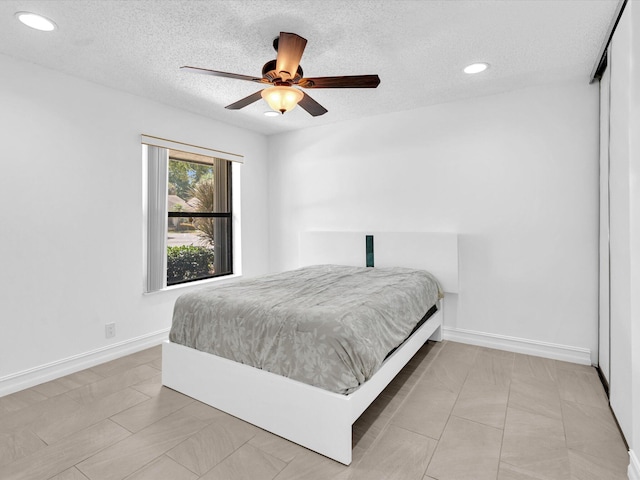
{"x": 369, "y": 241}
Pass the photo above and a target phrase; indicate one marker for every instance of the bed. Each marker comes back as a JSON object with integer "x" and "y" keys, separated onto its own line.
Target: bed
{"x": 315, "y": 411}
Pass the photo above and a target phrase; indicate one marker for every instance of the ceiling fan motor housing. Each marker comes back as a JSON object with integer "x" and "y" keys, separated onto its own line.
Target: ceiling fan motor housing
{"x": 269, "y": 72}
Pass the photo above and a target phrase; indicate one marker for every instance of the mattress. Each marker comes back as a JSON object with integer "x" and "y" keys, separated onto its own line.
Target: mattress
{"x": 329, "y": 326}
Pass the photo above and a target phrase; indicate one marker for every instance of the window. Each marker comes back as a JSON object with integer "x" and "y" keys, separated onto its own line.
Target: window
{"x": 190, "y": 215}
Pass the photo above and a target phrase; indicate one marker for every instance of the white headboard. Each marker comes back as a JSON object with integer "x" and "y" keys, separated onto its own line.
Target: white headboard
{"x": 435, "y": 252}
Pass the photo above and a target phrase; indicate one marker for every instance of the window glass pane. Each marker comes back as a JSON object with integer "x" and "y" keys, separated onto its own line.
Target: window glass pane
{"x": 199, "y": 248}
{"x": 188, "y": 187}
{"x": 182, "y": 231}
{"x": 188, "y": 262}
{"x": 199, "y": 187}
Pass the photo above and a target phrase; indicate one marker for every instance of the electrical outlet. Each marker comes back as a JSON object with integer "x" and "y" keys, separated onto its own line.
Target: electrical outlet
{"x": 110, "y": 330}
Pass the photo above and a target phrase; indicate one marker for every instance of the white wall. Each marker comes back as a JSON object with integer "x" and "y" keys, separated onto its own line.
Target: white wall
{"x": 71, "y": 190}
{"x": 515, "y": 174}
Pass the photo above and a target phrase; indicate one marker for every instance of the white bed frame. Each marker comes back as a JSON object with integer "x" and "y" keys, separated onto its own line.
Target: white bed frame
{"x": 314, "y": 418}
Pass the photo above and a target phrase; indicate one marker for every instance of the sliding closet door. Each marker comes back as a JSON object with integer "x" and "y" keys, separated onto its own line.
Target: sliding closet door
{"x": 604, "y": 325}
{"x": 619, "y": 225}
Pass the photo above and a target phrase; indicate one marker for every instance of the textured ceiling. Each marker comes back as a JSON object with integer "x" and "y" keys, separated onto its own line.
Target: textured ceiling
{"x": 417, "y": 47}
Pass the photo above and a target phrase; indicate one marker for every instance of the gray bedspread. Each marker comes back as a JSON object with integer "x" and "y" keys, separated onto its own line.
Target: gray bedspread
{"x": 329, "y": 326}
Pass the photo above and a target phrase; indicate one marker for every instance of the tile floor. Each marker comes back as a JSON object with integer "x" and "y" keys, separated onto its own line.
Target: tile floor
{"x": 455, "y": 412}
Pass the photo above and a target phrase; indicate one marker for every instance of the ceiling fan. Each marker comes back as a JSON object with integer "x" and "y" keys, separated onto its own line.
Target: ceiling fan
{"x": 284, "y": 73}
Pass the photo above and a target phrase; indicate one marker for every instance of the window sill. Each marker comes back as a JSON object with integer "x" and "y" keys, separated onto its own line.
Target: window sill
{"x": 198, "y": 283}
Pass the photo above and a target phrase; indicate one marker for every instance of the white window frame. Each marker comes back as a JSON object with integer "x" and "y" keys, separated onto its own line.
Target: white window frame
{"x": 155, "y": 177}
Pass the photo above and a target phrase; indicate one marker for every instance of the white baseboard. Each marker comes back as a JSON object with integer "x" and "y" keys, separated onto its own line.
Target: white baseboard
{"x": 633, "y": 471}
{"x": 50, "y": 371}
{"x": 520, "y": 345}
{"x": 44, "y": 373}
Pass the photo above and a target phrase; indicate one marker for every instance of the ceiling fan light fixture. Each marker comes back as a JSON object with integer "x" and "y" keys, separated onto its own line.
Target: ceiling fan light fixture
{"x": 475, "y": 68}
{"x": 282, "y": 98}
{"x": 271, "y": 113}
{"x": 36, "y": 21}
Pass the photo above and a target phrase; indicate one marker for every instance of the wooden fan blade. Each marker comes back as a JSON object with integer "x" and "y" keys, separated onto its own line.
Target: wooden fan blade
{"x": 311, "y": 106}
{"x": 351, "y": 81}
{"x": 290, "y": 49}
{"x": 254, "y": 97}
{"x": 216, "y": 73}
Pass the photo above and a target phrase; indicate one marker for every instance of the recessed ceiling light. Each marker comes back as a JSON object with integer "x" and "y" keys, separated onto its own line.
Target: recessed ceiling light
{"x": 271, "y": 113}
{"x": 476, "y": 68}
{"x": 36, "y": 21}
